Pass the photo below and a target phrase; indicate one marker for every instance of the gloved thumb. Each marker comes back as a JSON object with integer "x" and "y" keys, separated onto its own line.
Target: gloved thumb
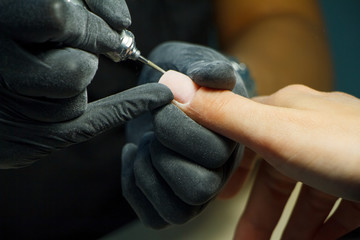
{"x": 115, "y": 110}
{"x": 217, "y": 74}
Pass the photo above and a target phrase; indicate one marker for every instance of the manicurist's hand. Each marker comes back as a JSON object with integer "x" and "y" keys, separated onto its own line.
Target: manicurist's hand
{"x": 49, "y": 55}
{"x": 303, "y": 135}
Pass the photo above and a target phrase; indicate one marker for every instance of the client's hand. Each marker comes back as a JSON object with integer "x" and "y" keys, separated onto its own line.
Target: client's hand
{"x": 303, "y": 135}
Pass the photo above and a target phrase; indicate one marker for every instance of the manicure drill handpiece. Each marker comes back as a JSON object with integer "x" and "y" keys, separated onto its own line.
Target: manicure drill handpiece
{"x": 128, "y": 50}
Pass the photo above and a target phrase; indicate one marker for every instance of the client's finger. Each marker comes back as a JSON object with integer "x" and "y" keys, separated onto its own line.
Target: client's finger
{"x": 265, "y": 129}
{"x": 311, "y": 209}
{"x": 280, "y": 134}
{"x": 238, "y": 178}
{"x": 270, "y": 193}
{"x": 345, "y": 219}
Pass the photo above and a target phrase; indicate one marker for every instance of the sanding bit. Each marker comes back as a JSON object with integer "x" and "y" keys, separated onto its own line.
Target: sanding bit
{"x": 128, "y": 50}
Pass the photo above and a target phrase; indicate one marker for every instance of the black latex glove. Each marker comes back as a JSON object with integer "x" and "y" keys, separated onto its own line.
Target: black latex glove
{"x": 48, "y": 56}
{"x": 174, "y": 167}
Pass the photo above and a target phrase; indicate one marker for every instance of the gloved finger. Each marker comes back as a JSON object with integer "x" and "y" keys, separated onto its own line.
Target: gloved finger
{"x": 114, "y": 12}
{"x": 269, "y": 195}
{"x": 171, "y": 208}
{"x": 217, "y": 74}
{"x": 205, "y": 66}
{"x": 170, "y": 121}
{"x": 63, "y": 22}
{"x": 40, "y": 138}
{"x": 136, "y": 128}
{"x": 55, "y": 73}
{"x": 114, "y": 110}
{"x": 143, "y": 208}
{"x": 30, "y": 126}
{"x": 43, "y": 109}
{"x": 191, "y": 182}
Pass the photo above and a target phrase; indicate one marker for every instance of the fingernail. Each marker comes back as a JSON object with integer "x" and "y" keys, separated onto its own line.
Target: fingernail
{"x": 181, "y": 86}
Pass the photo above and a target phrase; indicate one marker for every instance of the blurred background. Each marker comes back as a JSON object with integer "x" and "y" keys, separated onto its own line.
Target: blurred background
{"x": 32, "y": 198}
{"x": 343, "y": 26}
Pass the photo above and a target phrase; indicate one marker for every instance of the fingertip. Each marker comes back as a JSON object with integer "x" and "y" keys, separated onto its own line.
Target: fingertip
{"x": 217, "y": 74}
{"x": 128, "y": 152}
{"x": 182, "y": 87}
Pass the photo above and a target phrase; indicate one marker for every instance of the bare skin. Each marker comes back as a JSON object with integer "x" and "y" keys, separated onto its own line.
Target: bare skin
{"x": 303, "y": 135}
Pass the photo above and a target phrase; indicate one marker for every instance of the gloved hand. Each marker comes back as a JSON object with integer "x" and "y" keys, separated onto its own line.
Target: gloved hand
{"x": 175, "y": 167}
{"x": 48, "y": 58}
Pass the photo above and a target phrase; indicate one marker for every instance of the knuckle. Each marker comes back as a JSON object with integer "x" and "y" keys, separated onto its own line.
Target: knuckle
{"x": 290, "y": 89}
{"x": 300, "y": 89}
{"x": 57, "y": 13}
{"x": 341, "y": 95}
{"x": 201, "y": 194}
{"x": 72, "y": 71}
{"x": 80, "y": 73}
{"x": 286, "y": 95}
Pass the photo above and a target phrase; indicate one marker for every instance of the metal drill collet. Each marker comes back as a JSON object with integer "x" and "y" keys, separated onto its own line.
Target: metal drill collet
{"x": 128, "y": 50}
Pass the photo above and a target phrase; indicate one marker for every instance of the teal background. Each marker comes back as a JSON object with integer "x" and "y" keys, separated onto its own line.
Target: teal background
{"x": 343, "y": 26}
